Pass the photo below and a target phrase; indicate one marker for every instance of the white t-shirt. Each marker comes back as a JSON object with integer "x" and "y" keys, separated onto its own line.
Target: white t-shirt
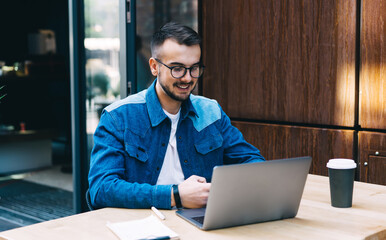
{"x": 171, "y": 171}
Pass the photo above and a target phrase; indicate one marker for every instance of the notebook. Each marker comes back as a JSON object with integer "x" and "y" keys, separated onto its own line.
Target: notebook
{"x": 252, "y": 193}
{"x": 147, "y": 228}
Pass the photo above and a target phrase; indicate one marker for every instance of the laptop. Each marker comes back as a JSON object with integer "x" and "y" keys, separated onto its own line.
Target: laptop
{"x": 252, "y": 193}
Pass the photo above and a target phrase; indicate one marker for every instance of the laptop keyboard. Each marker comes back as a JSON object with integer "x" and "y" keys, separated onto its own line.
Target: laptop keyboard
{"x": 199, "y": 219}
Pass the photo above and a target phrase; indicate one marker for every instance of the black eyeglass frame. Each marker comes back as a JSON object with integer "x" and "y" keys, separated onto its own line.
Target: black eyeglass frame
{"x": 186, "y": 69}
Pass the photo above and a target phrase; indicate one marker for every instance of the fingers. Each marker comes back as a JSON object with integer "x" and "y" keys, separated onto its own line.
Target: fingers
{"x": 194, "y": 192}
{"x": 197, "y": 178}
{"x": 201, "y": 180}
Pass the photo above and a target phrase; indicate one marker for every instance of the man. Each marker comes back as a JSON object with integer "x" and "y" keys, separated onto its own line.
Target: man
{"x": 158, "y": 147}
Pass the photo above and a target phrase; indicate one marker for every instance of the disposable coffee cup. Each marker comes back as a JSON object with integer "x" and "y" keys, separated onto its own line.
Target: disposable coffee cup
{"x": 341, "y": 173}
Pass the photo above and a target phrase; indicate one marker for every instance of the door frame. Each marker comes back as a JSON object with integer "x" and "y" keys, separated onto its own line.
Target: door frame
{"x": 128, "y": 54}
{"x": 80, "y": 164}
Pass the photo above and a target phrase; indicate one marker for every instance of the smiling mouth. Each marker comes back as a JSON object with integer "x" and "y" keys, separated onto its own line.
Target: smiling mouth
{"x": 183, "y": 86}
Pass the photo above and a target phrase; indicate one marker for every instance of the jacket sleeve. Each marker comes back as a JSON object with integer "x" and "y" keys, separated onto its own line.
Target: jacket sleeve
{"x": 236, "y": 149}
{"x": 107, "y": 184}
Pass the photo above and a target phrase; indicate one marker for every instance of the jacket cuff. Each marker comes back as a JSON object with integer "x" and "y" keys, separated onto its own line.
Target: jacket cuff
{"x": 162, "y": 196}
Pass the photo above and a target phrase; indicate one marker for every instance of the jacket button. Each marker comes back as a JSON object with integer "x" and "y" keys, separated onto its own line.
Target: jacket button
{"x": 163, "y": 144}
{"x": 210, "y": 147}
{"x": 157, "y": 168}
{"x": 179, "y": 137}
{"x": 185, "y": 161}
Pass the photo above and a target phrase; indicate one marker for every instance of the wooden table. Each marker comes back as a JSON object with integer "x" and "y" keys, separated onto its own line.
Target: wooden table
{"x": 316, "y": 219}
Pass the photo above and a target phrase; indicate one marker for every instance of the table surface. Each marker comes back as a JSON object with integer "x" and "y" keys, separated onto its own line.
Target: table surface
{"x": 316, "y": 219}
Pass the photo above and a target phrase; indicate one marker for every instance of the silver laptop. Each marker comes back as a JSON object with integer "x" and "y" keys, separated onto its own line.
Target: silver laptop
{"x": 252, "y": 193}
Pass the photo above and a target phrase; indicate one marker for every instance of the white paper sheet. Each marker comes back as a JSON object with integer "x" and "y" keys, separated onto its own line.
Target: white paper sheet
{"x": 147, "y": 228}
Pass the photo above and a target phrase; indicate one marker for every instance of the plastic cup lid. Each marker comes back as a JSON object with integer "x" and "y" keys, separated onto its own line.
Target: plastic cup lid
{"x": 341, "y": 163}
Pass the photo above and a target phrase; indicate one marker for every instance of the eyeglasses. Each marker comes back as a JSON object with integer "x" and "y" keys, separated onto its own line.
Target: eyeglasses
{"x": 195, "y": 71}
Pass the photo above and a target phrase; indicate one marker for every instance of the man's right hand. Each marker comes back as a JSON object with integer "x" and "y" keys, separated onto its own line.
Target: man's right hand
{"x": 194, "y": 192}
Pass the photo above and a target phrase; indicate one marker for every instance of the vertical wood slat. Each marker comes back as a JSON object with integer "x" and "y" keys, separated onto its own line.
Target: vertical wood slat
{"x": 281, "y": 60}
{"x": 372, "y": 112}
{"x": 278, "y": 141}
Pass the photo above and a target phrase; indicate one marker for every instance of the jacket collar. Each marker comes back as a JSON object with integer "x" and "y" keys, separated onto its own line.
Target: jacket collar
{"x": 154, "y": 108}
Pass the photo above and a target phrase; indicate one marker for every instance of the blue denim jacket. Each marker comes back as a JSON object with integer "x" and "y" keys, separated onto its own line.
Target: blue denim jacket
{"x": 130, "y": 144}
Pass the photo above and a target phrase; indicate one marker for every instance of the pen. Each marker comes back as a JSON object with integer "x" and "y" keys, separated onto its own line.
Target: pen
{"x": 157, "y": 238}
{"x": 158, "y": 213}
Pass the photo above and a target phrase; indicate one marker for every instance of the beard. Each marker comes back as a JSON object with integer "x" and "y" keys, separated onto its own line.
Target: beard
{"x": 172, "y": 95}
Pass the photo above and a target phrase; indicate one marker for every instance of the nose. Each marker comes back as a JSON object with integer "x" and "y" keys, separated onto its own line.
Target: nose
{"x": 186, "y": 78}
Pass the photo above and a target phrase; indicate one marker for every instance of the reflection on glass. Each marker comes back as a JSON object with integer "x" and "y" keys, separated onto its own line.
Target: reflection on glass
{"x": 102, "y": 56}
{"x": 151, "y": 15}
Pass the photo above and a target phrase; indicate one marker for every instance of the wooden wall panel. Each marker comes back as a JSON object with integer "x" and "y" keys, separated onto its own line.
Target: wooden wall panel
{"x": 281, "y": 60}
{"x": 373, "y": 65}
{"x": 372, "y": 157}
{"x": 278, "y": 141}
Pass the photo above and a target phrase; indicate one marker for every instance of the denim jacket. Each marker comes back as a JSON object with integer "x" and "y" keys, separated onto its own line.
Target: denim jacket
{"x": 130, "y": 143}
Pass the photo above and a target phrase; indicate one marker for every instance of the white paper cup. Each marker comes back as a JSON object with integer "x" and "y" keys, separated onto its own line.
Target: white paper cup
{"x": 341, "y": 174}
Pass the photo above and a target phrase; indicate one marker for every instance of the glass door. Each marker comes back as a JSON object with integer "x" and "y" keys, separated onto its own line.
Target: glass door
{"x": 138, "y": 21}
{"x": 95, "y": 79}
{"x": 110, "y": 49}
{"x": 150, "y": 16}
{"x": 101, "y": 45}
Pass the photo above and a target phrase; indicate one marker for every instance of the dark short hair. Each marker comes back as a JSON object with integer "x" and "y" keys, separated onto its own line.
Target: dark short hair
{"x": 181, "y": 34}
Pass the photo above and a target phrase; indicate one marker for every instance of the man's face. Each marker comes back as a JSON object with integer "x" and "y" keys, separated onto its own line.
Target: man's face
{"x": 173, "y": 54}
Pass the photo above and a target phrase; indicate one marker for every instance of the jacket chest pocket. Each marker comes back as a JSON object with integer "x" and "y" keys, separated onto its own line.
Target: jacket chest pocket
{"x": 135, "y": 146}
{"x": 136, "y": 152}
{"x": 209, "y": 144}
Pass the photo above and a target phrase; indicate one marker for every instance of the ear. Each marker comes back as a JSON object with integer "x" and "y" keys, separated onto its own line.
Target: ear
{"x": 153, "y": 66}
